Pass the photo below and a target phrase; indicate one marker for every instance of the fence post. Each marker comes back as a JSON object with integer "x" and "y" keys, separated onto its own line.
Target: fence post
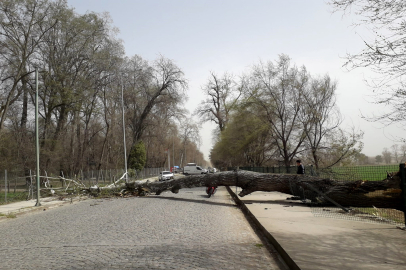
{"x": 5, "y": 186}
{"x": 403, "y": 187}
{"x": 88, "y": 177}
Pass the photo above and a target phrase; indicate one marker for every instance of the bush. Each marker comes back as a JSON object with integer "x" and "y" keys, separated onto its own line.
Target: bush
{"x": 137, "y": 157}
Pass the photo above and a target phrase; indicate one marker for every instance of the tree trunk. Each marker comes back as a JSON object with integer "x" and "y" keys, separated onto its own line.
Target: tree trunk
{"x": 346, "y": 193}
{"x": 24, "y": 114}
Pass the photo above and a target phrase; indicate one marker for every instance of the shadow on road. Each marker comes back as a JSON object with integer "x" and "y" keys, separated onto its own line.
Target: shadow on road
{"x": 191, "y": 200}
{"x": 280, "y": 202}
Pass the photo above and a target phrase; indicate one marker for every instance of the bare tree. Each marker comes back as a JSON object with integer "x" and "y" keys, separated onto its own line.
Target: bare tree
{"x": 222, "y": 96}
{"x": 385, "y": 54}
{"x": 395, "y": 153}
{"x": 321, "y": 116}
{"x": 279, "y": 89}
{"x": 82, "y": 71}
{"x": 189, "y": 134}
{"x": 327, "y": 143}
{"x": 403, "y": 153}
{"x": 149, "y": 85}
{"x": 23, "y": 25}
{"x": 387, "y": 155}
{"x": 71, "y": 82}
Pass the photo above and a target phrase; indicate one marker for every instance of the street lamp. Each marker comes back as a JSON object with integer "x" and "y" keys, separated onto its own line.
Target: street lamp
{"x": 125, "y": 148}
{"x": 36, "y": 136}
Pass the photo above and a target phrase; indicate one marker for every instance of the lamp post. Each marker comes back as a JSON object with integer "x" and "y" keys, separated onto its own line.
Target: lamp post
{"x": 169, "y": 159}
{"x": 36, "y": 137}
{"x": 125, "y": 148}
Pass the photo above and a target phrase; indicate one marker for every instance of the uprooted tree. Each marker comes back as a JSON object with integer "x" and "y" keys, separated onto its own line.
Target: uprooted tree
{"x": 383, "y": 194}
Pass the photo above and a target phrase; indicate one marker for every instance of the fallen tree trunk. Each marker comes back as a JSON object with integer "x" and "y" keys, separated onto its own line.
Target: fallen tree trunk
{"x": 382, "y": 194}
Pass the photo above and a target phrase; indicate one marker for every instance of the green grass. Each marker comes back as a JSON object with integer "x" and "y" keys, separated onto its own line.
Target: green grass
{"x": 13, "y": 197}
{"x": 370, "y": 173}
{"x": 352, "y": 173}
{"x": 11, "y": 215}
{"x": 389, "y": 214}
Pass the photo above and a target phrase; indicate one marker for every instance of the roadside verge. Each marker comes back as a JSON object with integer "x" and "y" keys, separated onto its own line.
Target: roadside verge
{"x": 23, "y": 207}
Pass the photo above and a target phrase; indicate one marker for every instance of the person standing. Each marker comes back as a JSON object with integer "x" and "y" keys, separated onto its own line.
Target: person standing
{"x": 300, "y": 167}
{"x": 295, "y": 190}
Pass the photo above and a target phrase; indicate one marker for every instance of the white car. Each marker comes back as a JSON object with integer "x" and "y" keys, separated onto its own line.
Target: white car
{"x": 191, "y": 168}
{"x": 165, "y": 175}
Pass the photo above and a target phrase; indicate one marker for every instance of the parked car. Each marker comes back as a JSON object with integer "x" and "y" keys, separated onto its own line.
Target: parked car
{"x": 191, "y": 168}
{"x": 176, "y": 169}
{"x": 212, "y": 170}
{"x": 165, "y": 175}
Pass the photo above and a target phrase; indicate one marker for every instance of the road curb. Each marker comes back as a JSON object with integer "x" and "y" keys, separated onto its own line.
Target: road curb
{"x": 263, "y": 232}
{"x": 32, "y": 209}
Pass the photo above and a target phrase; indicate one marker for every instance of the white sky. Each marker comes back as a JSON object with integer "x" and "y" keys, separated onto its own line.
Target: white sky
{"x": 232, "y": 35}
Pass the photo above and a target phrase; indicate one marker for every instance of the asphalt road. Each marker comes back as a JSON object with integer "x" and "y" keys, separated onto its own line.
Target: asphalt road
{"x": 171, "y": 231}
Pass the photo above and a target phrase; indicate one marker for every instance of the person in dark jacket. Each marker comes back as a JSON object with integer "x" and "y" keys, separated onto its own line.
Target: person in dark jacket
{"x": 300, "y": 167}
{"x": 295, "y": 190}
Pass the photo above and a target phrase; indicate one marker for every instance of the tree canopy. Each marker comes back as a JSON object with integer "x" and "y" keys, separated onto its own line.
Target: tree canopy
{"x": 83, "y": 73}
{"x": 385, "y": 53}
{"x": 284, "y": 114}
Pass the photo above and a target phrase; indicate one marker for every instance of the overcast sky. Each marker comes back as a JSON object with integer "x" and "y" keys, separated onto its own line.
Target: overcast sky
{"x": 232, "y": 35}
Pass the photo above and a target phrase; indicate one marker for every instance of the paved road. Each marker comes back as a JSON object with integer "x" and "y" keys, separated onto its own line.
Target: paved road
{"x": 171, "y": 231}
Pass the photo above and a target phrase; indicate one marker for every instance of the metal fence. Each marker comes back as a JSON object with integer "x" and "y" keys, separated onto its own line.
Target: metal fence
{"x": 322, "y": 204}
{"x": 18, "y": 186}
{"x": 274, "y": 169}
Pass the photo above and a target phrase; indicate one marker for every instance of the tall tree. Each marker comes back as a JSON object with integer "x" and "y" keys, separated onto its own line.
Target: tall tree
{"x": 327, "y": 143}
{"x": 387, "y": 155}
{"x": 222, "y": 94}
{"x": 278, "y": 89}
{"x": 23, "y": 24}
{"x": 149, "y": 85}
{"x": 395, "y": 152}
{"x": 82, "y": 72}
{"x": 189, "y": 135}
{"x": 70, "y": 56}
{"x": 403, "y": 153}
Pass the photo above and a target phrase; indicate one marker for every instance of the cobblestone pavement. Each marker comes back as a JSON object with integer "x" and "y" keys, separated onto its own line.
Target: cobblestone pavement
{"x": 171, "y": 231}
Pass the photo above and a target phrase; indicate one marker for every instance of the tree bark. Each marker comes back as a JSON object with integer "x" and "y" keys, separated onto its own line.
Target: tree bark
{"x": 384, "y": 194}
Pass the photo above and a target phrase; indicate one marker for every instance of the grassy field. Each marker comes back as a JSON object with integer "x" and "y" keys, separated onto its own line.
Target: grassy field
{"x": 369, "y": 214}
{"x": 370, "y": 173}
{"x": 13, "y": 197}
{"x": 354, "y": 173}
